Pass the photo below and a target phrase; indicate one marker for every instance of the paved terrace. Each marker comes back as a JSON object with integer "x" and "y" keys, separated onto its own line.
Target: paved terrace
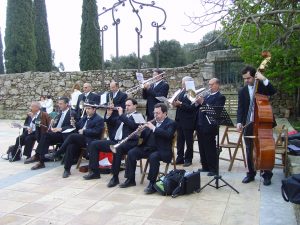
{"x": 44, "y": 197}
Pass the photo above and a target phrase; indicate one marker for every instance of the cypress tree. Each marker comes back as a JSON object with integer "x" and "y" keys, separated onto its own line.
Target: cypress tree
{"x": 43, "y": 47}
{"x": 90, "y": 58}
{"x": 20, "y": 52}
{"x": 1, "y": 55}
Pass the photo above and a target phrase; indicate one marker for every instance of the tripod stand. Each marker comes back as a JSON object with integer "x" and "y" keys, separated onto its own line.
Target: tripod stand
{"x": 217, "y": 115}
{"x": 11, "y": 157}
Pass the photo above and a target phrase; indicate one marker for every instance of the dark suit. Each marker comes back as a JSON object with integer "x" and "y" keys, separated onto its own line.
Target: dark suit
{"x": 161, "y": 89}
{"x": 73, "y": 143}
{"x": 242, "y": 112}
{"x": 206, "y": 133}
{"x": 95, "y": 147}
{"x": 156, "y": 146}
{"x": 91, "y": 98}
{"x": 51, "y": 138}
{"x": 185, "y": 118}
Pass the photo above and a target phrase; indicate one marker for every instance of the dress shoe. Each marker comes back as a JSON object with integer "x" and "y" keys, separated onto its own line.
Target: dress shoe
{"x": 31, "y": 159}
{"x": 37, "y": 166}
{"x": 150, "y": 189}
{"x": 92, "y": 175}
{"x": 114, "y": 181}
{"x": 127, "y": 183}
{"x": 53, "y": 156}
{"x": 187, "y": 164}
{"x": 247, "y": 179}
{"x": 66, "y": 174}
{"x": 210, "y": 174}
{"x": 267, "y": 181}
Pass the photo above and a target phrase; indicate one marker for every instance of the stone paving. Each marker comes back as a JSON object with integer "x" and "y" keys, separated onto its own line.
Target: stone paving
{"x": 44, "y": 197}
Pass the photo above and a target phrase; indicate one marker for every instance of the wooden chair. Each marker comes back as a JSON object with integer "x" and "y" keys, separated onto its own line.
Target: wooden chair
{"x": 281, "y": 143}
{"x": 232, "y": 140}
{"x": 167, "y": 164}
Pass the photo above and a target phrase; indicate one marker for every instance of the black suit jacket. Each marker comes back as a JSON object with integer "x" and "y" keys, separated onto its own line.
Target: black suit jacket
{"x": 66, "y": 123}
{"x": 244, "y": 99}
{"x": 92, "y": 98}
{"x": 203, "y": 125}
{"x": 186, "y": 113}
{"x": 93, "y": 129}
{"x": 150, "y": 94}
{"x": 163, "y": 136}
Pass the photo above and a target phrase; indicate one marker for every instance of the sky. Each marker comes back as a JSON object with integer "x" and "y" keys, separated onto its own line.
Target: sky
{"x": 64, "y": 21}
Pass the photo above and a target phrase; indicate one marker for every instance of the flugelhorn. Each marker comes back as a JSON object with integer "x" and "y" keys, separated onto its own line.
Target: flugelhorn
{"x": 193, "y": 94}
{"x": 141, "y": 85}
{"x": 113, "y": 148}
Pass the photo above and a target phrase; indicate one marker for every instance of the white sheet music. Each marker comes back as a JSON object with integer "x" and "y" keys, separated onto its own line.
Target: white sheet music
{"x": 190, "y": 85}
{"x": 103, "y": 99}
{"x": 104, "y": 162}
{"x": 138, "y": 118}
{"x": 140, "y": 77}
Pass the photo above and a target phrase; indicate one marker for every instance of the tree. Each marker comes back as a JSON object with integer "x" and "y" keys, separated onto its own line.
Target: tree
{"x": 43, "y": 47}
{"x": 90, "y": 57}
{"x": 1, "y": 55}
{"x": 170, "y": 54}
{"x": 20, "y": 52}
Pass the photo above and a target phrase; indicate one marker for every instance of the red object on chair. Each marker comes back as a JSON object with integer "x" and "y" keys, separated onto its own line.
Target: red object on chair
{"x": 109, "y": 156}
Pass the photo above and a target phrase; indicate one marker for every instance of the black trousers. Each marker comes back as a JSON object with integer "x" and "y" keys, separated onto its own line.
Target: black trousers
{"x": 185, "y": 136}
{"x": 48, "y": 139}
{"x": 249, "y": 154}
{"x": 138, "y": 153}
{"x": 26, "y": 140}
{"x": 208, "y": 151}
{"x": 73, "y": 143}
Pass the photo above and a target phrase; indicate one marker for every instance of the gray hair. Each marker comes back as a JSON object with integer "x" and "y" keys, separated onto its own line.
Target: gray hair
{"x": 37, "y": 104}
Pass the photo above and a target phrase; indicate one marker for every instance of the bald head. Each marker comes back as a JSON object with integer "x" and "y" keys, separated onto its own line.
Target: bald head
{"x": 214, "y": 85}
{"x": 87, "y": 87}
{"x": 113, "y": 86}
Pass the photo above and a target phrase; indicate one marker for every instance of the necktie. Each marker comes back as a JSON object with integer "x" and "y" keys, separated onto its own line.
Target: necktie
{"x": 119, "y": 133}
{"x": 61, "y": 120}
{"x": 84, "y": 126}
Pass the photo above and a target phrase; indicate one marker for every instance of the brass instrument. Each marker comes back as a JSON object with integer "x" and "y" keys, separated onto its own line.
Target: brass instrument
{"x": 113, "y": 148}
{"x": 192, "y": 95}
{"x": 101, "y": 106}
{"x": 141, "y": 85}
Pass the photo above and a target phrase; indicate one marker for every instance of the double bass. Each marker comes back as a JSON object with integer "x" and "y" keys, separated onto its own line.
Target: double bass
{"x": 263, "y": 141}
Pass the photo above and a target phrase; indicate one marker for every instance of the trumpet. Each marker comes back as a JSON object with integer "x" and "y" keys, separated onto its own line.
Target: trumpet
{"x": 193, "y": 94}
{"x": 113, "y": 148}
{"x": 142, "y": 84}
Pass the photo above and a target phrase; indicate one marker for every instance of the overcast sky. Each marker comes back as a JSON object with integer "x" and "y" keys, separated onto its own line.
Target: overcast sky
{"x": 64, "y": 20}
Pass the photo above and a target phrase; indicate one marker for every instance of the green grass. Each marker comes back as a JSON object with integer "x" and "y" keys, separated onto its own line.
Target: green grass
{"x": 295, "y": 123}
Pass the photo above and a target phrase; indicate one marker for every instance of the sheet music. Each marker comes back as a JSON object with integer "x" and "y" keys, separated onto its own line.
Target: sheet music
{"x": 138, "y": 118}
{"x": 104, "y": 162}
{"x": 162, "y": 99}
{"x": 190, "y": 85}
{"x": 140, "y": 77}
{"x": 103, "y": 98}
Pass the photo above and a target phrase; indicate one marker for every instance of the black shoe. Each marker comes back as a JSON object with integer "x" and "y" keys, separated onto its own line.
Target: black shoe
{"x": 150, "y": 189}
{"x": 247, "y": 179}
{"x": 127, "y": 183}
{"x": 187, "y": 164}
{"x": 179, "y": 161}
{"x": 53, "y": 156}
{"x": 203, "y": 170}
{"x": 211, "y": 174}
{"x": 267, "y": 181}
{"x": 31, "y": 159}
{"x": 92, "y": 175}
{"x": 66, "y": 174}
{"x": 37, "y": 166}
{"x": 114, "y": 181}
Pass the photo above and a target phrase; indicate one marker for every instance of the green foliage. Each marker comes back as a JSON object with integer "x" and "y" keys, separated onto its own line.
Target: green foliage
{"x": 170, "y": 54}
{"x": 1, "y": 55}
{"x": 90, "y": 57}
{"x": 43, "y": 47}
{"x": 20, "y": 52}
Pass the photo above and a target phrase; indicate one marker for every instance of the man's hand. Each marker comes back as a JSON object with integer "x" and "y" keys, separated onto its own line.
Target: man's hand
{"x": 259, "y": 76}
{"x": 176, "y": 103}
{"x": 55, "y": 130}
{"x": 199, "y": 100}
{"x": 239, "y": 127}
{"x": 146, "y": 86}
{"x": 80, "y": 131}
{"x": 150, "y": 125}
{"x": 120, "y": 111}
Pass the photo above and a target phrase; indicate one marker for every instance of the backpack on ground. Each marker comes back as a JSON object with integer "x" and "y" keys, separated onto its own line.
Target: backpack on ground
{"x": 290, "y": 189}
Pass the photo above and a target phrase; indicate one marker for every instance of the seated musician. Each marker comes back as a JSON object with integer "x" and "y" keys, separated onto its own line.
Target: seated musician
{"x": 119, "y": 128}
{"x": 36, "y": 123}
{"x": 156, "y": 146}
{"x": 54, "y": 134}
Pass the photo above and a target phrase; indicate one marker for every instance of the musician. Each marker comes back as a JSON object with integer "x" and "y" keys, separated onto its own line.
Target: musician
{"x": 207, "y": 131}
{"x": 36, "y": 124}
{"x": 264, "y": 87}
{"x": 156, "y": 146}
{"x": 89, "y": 129}
{"x": 125, "y": 125}
{"x": 54, "y": 134}
{"x": 156, "y": 89}
{"x": 86, "y": 96}
{"x": 185, "y": 118}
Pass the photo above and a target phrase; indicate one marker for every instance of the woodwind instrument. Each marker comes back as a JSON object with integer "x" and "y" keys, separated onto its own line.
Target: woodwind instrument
{"x": 113, "y": 148}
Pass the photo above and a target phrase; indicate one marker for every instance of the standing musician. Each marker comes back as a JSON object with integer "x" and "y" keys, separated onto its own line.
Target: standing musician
{"x": 206, "y": 132}
{"x": 54, "y": 135}
{"x": 125, "y": 125}
{"x": 150, "y": 92}
{"x": 156, "y": 146}
{"x": 185, "y": 118}
{"x": 86, "y": 96}
{"x": 249, "y": 74}
{"x": 37, "y": 122}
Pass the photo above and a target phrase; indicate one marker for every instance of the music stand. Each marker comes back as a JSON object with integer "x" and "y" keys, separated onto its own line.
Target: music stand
{"x": 217, "y": 115}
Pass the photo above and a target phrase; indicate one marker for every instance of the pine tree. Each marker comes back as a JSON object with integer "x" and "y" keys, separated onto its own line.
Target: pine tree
{"x": 1, "y": 55}
{"x": 43, "y": 47}
{"x": 20, "y": 52}
{"x": 90, "y": 58}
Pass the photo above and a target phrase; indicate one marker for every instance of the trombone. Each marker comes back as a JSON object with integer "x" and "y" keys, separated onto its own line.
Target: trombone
{"x": 193, "y": 94}
{"x": 141, "y": 85}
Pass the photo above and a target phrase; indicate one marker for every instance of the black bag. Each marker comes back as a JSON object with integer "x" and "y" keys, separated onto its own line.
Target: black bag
{"x": 290, "y": 189}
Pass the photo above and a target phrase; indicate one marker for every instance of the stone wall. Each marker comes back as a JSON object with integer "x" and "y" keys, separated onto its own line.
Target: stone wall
{"x": 18, "y": 90}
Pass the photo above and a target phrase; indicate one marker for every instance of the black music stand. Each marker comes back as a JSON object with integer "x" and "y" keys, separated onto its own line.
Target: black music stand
{"x": 217, "y": 115}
